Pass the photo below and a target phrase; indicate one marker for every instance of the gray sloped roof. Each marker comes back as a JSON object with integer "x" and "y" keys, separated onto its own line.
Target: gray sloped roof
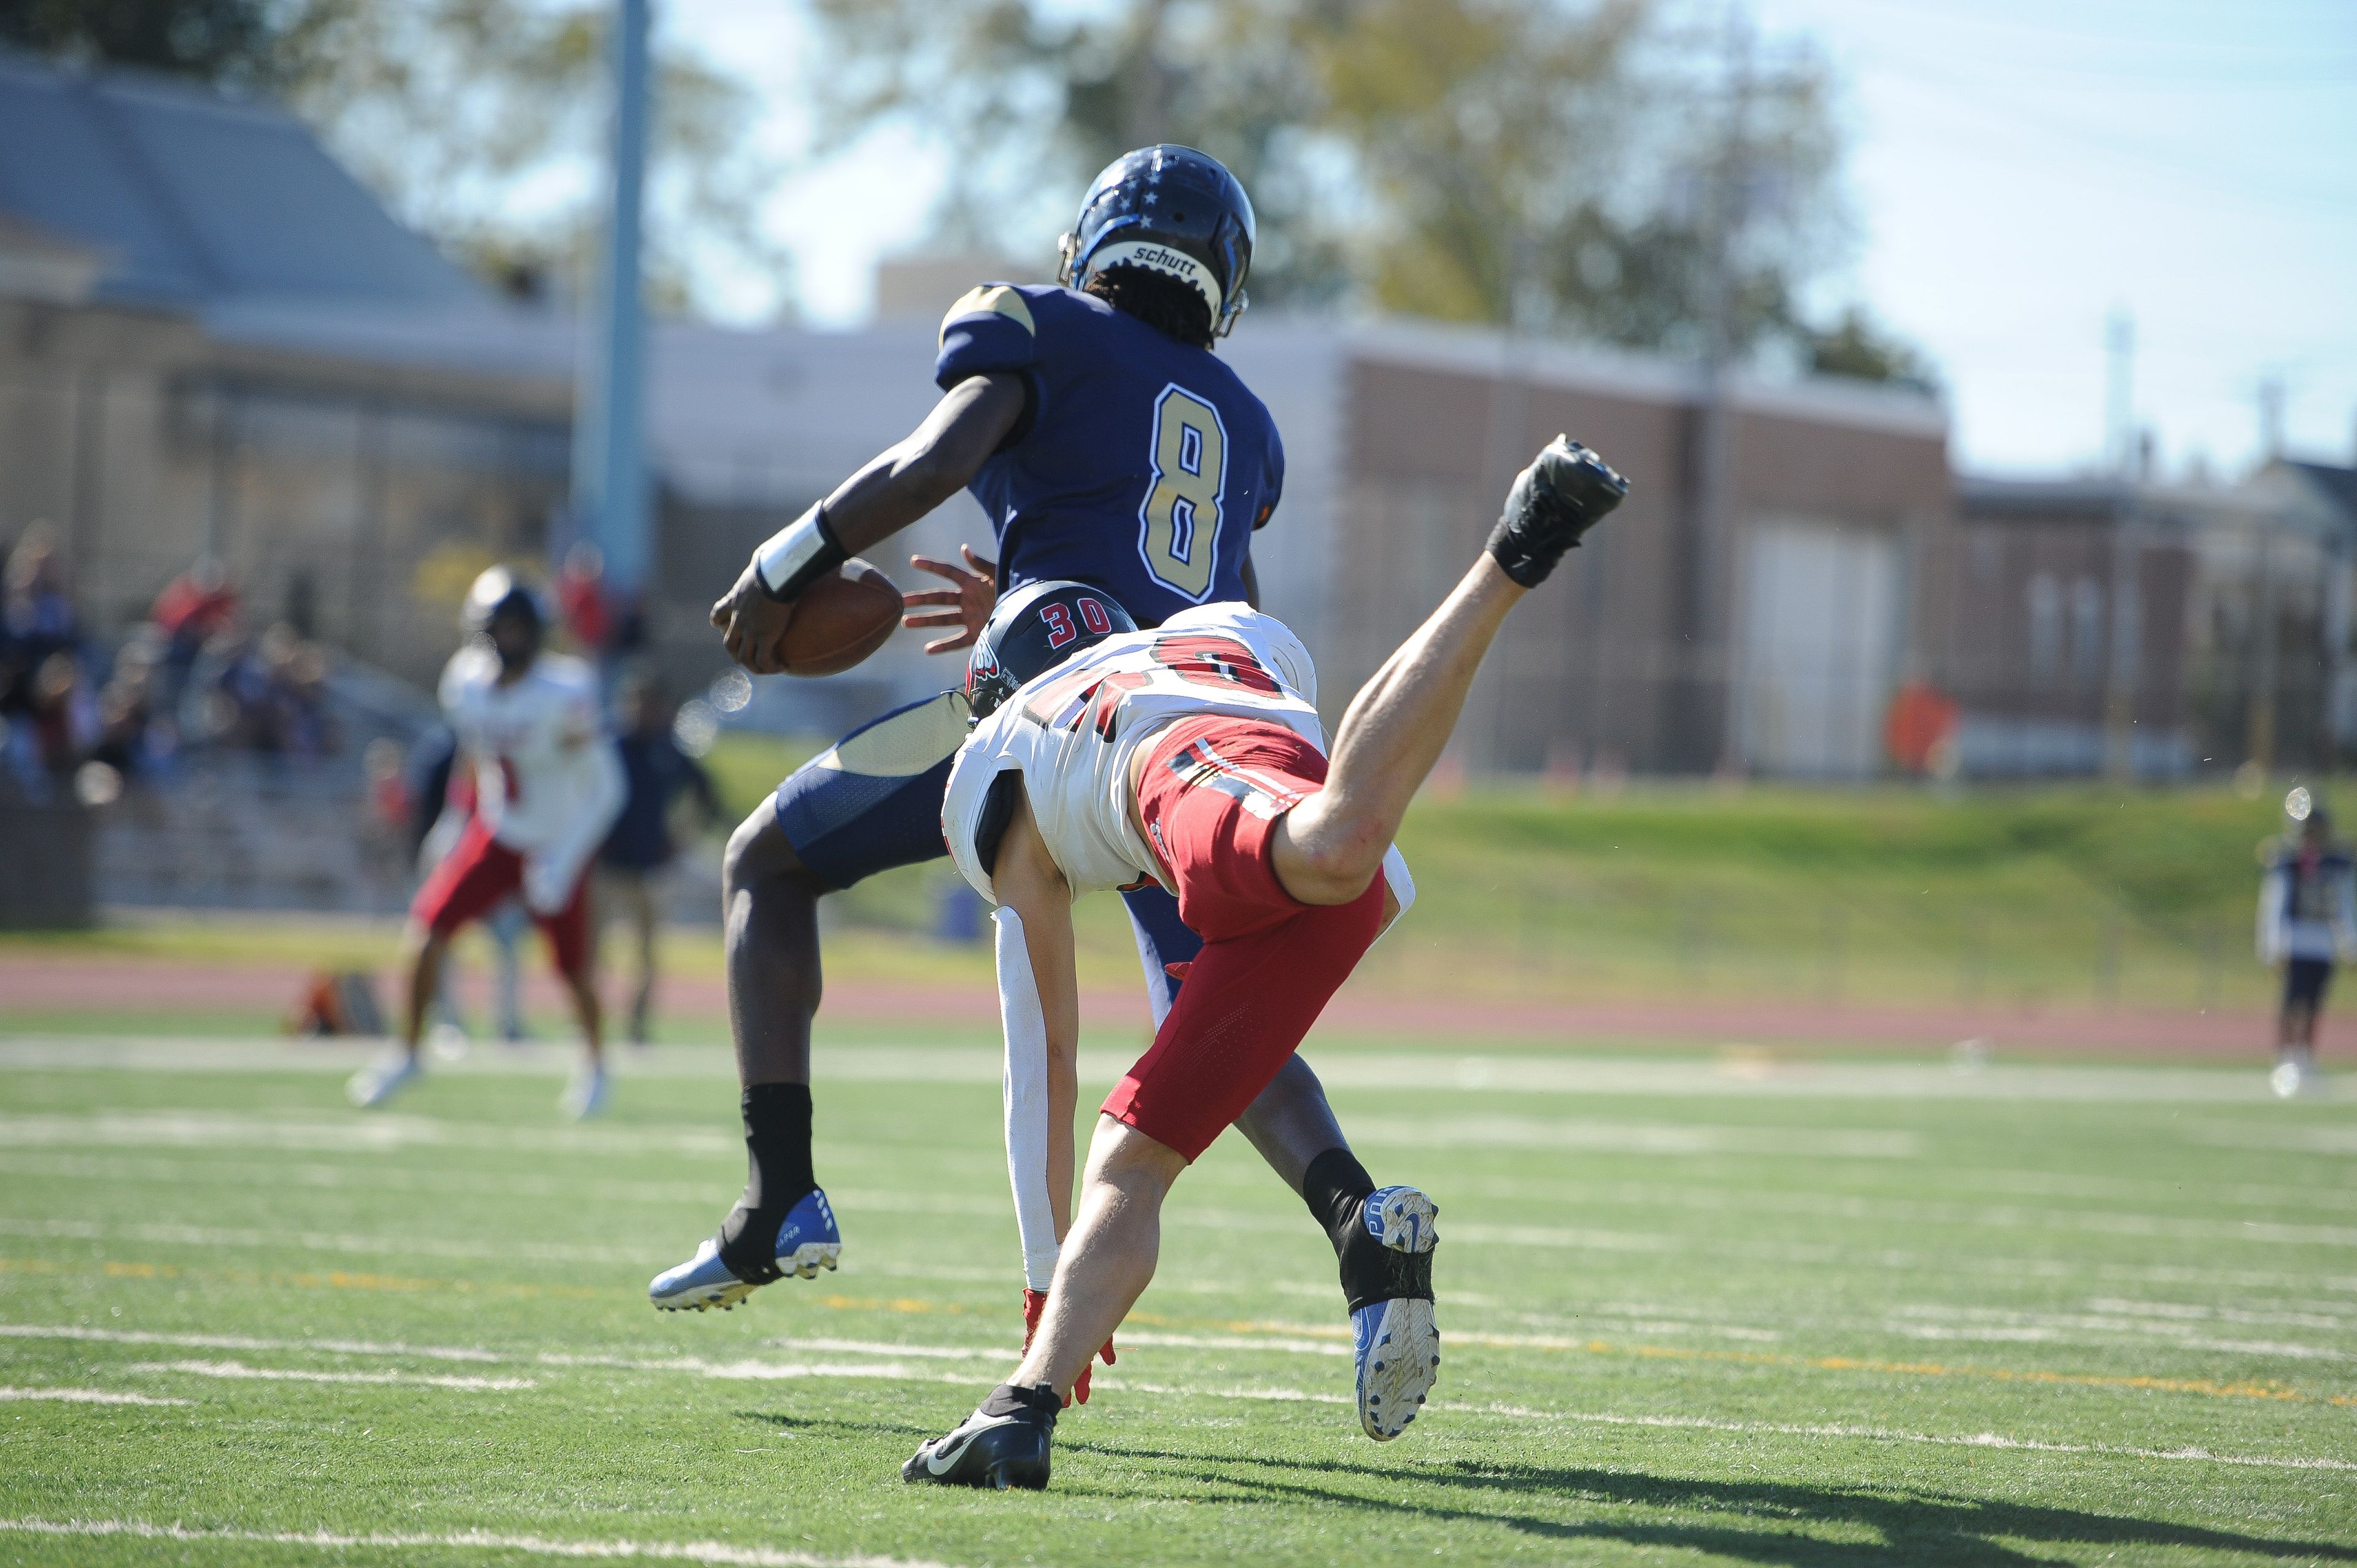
{"x": 195, "y": 198}
{"x": 2338, "y": 485}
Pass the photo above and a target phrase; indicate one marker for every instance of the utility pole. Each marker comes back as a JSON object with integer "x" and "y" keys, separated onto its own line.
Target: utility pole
{"x": 2119, "y": 405}
{"x": 610, "y": 469}
{"x": 2122, "y": 669}
{"x": 1702, "y": 735}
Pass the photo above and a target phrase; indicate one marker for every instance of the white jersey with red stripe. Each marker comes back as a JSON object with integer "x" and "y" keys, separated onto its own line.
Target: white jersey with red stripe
{"x": 527, "y": 740}
{"x": 1072, "y": 732}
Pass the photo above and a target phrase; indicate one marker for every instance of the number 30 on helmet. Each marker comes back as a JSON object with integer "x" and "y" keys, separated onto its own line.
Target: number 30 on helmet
{"x": 1170, "y": 209}
{"x": 1032, "y": 630}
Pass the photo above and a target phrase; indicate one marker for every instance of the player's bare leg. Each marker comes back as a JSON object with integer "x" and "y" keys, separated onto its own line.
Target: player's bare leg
{"x": 781, "y": 1224}
{"x": 1105, "y": 1265}
{"x": 1108, "y": 1259}
{"x": 1330, "y": 847}
{"x": 423, "y": 956}
{"x": 586, "y": 1095}
{"x": 769, "y": 904}
{"x": 1293, "y": 1127}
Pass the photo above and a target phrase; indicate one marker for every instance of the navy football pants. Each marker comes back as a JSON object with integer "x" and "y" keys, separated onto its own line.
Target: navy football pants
{"x": 873, "y": 800}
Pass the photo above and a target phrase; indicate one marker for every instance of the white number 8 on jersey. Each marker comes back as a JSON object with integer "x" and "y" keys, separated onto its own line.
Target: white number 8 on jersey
{"x": 1179, "y": 522}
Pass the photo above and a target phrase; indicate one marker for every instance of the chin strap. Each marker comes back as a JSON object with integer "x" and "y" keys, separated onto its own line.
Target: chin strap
{"x": 805, "y": 548}
{"x": 1025, "y": 1023}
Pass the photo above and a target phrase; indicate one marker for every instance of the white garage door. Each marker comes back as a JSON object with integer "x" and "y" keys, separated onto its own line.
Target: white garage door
{"x": 1819, "y": 650}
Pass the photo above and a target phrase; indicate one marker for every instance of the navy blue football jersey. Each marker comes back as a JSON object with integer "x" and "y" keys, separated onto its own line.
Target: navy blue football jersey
{"x": 1144, "y": 466}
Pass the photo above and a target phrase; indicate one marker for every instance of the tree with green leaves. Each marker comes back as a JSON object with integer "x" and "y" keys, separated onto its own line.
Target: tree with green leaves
{"x": 480, "y": 122}
{"x": 1588, "y": 170}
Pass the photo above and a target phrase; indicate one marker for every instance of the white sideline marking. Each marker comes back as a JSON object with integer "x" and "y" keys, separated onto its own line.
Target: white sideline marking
{"x": 324, "y": 1241}
{"x": 292, "y": 1375}
{"x": 376, "y": 1133}
{"x": 719, "y": 1553}
{"x": 240, "y": 1342}
{"x": 757, "y": 1371}
{"x": 1888, "y": 1435}
{"x": 1631, "y": 1137}
{"x": 86, "y": 1396}
{"x": 1423, "y": 1071}
{"x": 1289, "y": 1396}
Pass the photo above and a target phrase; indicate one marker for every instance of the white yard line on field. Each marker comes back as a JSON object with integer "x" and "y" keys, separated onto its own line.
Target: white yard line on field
{"x": 323, "y": 1241}
{"x": 716, "y": 1552}
{"x": 241, "y": 1342}
{"x": 85, "y": 1396}
{"x": 1534, "y": 1072}
{"x": 295, "y": 1375}
{"x": 1888, "y": 1435}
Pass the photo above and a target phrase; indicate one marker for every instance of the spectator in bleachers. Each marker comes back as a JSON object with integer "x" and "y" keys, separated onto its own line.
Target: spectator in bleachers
{"x": 632, "y": 867}
{"x": 194, "y": 607}
{"x": 36, "y": 615}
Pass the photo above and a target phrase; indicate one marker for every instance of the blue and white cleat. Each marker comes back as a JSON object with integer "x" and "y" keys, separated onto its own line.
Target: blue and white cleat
{"x": 382, "y": 1079}
{"x": 807, "y": 1243}
{"x": 1395, "y": 1340}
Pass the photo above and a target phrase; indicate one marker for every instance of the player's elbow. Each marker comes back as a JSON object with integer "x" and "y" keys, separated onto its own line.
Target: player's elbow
{"x": 931, "y": 472}
{"x": 1328, "y": 858}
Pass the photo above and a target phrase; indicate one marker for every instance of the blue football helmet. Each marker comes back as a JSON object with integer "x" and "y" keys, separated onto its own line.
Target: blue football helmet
{"x": 1169, "y": 209}
{"x": 1032, "y": 630}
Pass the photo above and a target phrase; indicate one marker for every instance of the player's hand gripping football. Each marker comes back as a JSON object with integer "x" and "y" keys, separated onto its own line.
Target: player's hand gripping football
{"x": 1034, "y": 1305}
{"x": 966, "y": 604}
{"x": 752, "y": 622}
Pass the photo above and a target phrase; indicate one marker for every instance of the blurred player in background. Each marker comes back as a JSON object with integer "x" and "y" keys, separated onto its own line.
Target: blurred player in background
{"x": 1109, "y": 446}
{"x": 1193, "y": 755}
{"x": 441, "y": 791}
{"x": 2308, "y": 922}
{"x": 547, "y": 786}
{"x": 657, "y": 777}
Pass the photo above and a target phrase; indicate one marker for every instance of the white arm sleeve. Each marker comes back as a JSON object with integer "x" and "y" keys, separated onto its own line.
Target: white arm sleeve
{"x": 2273, "y": 939}
{"x": 1402, "y": 885}
{"x": 1025, "y": 1023}
{"x": 598, "y": 786}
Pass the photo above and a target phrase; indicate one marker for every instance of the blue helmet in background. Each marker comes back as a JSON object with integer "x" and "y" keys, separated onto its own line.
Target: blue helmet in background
{"x": 1169, "y": 209}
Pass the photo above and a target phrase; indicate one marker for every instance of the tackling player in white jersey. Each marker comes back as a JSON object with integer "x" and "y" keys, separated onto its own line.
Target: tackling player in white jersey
{"x": 1191, "y": 756}
{"x": 548, "y": 785}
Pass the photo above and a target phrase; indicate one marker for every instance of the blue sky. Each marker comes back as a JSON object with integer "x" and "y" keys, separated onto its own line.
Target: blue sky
{"x": 2018, "y": 171}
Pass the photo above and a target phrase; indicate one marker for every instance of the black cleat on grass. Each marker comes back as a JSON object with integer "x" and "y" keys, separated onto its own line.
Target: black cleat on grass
{"x": 1567, "y": 490}
{"x": 1005, "y": 1444}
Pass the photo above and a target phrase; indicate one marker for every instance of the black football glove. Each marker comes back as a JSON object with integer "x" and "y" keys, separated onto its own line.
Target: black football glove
{"x": 1567, "y": 490}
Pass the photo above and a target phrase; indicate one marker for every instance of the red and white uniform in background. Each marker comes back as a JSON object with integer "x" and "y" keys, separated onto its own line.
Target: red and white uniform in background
{"x": 1223, "y": 700}
{"x": 548, "y": 786}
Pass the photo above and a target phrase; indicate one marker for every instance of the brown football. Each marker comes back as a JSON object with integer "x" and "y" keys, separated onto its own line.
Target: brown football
{"x": 840, "y": 619}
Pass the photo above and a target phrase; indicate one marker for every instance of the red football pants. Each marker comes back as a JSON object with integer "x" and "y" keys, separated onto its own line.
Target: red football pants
{"x": 478, "y": 874}
{"x": 1211, "y": 797}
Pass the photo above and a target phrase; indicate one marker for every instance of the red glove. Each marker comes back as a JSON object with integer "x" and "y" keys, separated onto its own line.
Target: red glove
{"x": 1035, "y": 1304}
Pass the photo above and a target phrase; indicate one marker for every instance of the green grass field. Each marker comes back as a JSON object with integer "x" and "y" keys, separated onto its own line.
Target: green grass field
{"x": 2072, "y": 895}
{"x": 1836, "y": 1313}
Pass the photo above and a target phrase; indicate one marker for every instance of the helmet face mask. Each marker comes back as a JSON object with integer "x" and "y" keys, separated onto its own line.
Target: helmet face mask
{"x": 1032, "y": 630}
{"x": 1169, "y": 209}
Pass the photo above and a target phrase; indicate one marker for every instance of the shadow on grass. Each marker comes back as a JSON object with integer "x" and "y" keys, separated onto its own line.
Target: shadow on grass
{"x": 840, "y": 1428}
{"x": 1773, "y": 1522}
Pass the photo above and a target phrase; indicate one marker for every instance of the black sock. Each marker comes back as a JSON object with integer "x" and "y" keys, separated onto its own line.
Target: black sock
{"x": 1008, "y": 1399}
{"x": 1333, "y": 1188}
{"x": 1336, "y": 1187}
{"x": 778, "y": 1175}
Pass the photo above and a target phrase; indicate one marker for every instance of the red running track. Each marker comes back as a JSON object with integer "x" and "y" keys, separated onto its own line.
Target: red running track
{"x": 33, "y": 985}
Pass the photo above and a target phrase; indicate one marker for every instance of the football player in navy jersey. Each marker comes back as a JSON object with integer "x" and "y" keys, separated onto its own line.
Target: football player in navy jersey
{"x": 1109, "y": 446}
